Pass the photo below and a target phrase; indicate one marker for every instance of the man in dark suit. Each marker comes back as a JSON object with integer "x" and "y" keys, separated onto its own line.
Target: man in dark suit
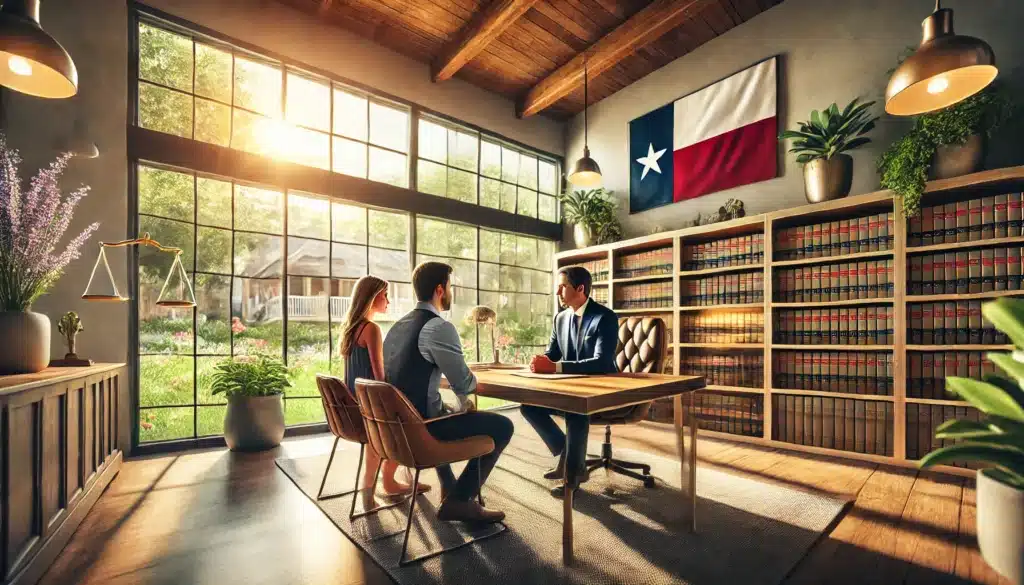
{"x": 582, "y": 342}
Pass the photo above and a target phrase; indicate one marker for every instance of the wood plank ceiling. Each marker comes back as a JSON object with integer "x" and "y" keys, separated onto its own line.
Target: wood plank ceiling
{"x": 532, "y": 50}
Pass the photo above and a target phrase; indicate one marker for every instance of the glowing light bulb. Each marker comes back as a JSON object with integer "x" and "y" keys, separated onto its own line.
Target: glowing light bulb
{"x": 19, "y": 65}
{"x": 938, "y": 85}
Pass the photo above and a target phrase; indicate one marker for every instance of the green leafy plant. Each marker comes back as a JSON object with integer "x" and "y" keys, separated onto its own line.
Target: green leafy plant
{"x": 831, "y": 132}
{"x": 594, "y": 208}
{"x": 997, "y": 440}
{"x": 259, "y": 376}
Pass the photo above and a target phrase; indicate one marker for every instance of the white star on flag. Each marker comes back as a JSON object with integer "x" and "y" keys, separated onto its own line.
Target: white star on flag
{"x": 651, "y": 160}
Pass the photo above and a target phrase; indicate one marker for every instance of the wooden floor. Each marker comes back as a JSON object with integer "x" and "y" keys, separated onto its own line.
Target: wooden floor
{"x": 218, "y": 518}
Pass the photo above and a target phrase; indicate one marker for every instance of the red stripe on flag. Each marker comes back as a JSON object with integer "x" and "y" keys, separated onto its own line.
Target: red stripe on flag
{"x": 739, "y": 157}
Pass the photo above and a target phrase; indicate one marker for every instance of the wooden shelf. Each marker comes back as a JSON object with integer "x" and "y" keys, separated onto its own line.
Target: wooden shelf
{"x": 992, "y": 294}
{"x": 736, "y": 389}
{"x": 832, "y": 347}
{"x": 714, "y": 307}
{"x": 643, "y": 311}
{"x": 960, "y": 347}
{"x": 832, "y": 259}
{"x": 960, "y": 245}
{"x": 846, "y": 303}
{"x": 646, "y": 278}
{"x": 722, "y": 345}
{"x": 599, "y": 283}
{"x": 876, "y": 397}
{"x": 937, "y": 401}
{"x": 722, "y": 269}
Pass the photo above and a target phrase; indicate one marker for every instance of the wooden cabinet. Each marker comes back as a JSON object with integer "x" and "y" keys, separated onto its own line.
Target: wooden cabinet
{"x": 59, "y": 449}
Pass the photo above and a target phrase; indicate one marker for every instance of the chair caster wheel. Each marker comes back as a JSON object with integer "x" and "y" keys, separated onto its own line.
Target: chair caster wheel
{"x": 649, "y": 482}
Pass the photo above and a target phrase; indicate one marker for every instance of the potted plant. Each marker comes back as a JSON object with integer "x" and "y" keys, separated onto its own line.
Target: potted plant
{"x": 997, "y": 442}
{"x": 32, "y": 223}
{"x": 943, "y": 144}
{"x": 255, "y": 413}
{"x": 821, "y": 145}
{"x": 592, "y": 213}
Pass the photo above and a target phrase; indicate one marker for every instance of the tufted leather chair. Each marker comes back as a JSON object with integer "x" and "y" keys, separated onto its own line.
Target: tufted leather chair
{"x": 641, "y": 348}
{"x": 396, "y": 431}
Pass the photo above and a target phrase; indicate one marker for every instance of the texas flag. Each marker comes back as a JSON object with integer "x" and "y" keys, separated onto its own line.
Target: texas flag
{"x": 720, "y": 137}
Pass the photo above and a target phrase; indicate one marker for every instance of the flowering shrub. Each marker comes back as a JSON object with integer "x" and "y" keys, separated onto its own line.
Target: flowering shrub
{"x": 32, "y": 223}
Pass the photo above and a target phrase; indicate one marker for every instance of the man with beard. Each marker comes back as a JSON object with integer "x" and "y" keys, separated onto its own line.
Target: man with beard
{"x": 417, "y": 350}
{"x": 583, "y": 341}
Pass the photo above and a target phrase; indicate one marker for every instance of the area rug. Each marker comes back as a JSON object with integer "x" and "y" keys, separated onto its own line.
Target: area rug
{"x": 749, "y": 531}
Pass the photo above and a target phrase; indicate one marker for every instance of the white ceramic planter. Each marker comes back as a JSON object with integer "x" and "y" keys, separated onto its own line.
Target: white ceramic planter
{"x": 254, "y": 423}
{"x": 25, "y": 339}
{"x": 1001, "y": 527}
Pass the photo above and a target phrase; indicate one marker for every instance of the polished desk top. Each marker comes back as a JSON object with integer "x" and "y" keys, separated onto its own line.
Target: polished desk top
{"x": 585, "y": 395}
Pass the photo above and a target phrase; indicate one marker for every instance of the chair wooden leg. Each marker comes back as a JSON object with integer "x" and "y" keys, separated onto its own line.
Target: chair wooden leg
{"x": 479, "y": 483}
{"x": 327, "y": 470}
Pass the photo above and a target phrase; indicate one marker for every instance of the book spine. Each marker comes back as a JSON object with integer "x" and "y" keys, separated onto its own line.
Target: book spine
{"x": 988, "y": 222}
{"x": 1001, "y": 216}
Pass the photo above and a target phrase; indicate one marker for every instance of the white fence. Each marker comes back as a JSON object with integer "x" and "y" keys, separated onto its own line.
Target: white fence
{"x": 315, "y": 308}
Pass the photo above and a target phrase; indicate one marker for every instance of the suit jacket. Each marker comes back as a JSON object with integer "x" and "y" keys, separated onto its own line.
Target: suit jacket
{"x": 599, "y": 335}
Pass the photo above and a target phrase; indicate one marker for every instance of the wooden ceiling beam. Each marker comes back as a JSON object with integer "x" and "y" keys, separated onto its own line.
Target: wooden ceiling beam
{"x": 643, "y": 28}
{"x": 485, "y": 26}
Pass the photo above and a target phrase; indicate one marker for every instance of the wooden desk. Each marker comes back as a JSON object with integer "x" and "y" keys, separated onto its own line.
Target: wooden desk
{"x": 594, "y": 394}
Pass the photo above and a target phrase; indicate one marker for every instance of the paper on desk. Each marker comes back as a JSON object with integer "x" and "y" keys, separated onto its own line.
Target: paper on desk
{"x": 547, "y": 376}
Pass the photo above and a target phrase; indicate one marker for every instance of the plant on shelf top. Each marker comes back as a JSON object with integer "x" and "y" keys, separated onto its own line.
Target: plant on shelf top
{"x": 594, "y": 208}
{"x": 997, "y": 440}
{"x": 904, "y": 166}
{"x": 259, "y": 376}
{"x": 831, "y": 132}
{"x": 32, "y": 223}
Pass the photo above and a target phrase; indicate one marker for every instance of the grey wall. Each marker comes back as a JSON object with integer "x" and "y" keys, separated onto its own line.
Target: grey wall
{"x": 832, "y": 51}
{"x": 95, "y": 32}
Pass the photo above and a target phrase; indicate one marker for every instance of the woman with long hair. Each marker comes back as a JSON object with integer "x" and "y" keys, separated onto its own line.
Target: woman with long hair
{"x": 362, "y": 348}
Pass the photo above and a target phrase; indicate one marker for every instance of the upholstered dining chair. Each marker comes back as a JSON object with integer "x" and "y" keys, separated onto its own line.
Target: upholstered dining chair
{"x": 345, "y": 422}
{"x": 641, "y": 348}
{"x": 396, "y": 431}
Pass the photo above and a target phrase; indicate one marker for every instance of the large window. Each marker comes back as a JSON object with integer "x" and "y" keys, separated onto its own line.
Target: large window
{"x": 214, "y": 93}
{"x": 274, "y": 268}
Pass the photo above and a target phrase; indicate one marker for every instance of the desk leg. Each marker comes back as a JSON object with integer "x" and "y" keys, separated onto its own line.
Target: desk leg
{"x": 692, "y": 408}
{"x": 687, "y": 453}
{"x": 567, "y": 492}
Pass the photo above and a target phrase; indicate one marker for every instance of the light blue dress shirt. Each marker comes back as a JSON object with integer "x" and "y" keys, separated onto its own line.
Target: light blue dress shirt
{"x": 439, "y": 344}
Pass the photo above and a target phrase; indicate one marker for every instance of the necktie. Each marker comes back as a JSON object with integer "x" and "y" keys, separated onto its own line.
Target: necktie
{"x": 576, "y": 320}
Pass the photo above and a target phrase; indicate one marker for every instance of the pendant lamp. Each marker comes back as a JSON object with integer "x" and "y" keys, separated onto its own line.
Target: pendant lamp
{"x": 945, "y": 69}
{"x": 176, "y": 293}
{"x": 586, "y": 172}
{"x": 31, "y": 61}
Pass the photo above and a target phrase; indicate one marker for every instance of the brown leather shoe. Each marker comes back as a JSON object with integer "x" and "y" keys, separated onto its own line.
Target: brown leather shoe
{"x": 455, "y": 511}
{"x": 556, "y": 472}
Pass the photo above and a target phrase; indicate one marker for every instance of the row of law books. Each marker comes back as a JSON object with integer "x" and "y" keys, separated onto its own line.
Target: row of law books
{"x": 722, "y": 289}
{"x": 923, "y": 419}
{"x": 643, "y": 295}
{"x": 745, "y": 370}
{"x": 730, "y": 413}
{"x": 927, "y": 371}
{"x": 861, "y": 426}
{"x": 975, "y": 220}
{"x": 836, "y": 282}
{"x": 744, "y": 327}
{"x": 648, "y": 263}
{"x": 836, "y": 238}
{"x": 965, "y": 271}
{"x": 738, "y": 251}
{"x": 598, "y": 269}
{"x": 600, "y": 294}
{"x": 850, "y": 372}
{"x": 844, "y": 325}
{"x": 949, "y": 323}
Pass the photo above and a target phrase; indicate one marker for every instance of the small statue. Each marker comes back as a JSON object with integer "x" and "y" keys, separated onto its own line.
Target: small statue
{"x": 732, "y": 209}
{"x": 70, "y": 325}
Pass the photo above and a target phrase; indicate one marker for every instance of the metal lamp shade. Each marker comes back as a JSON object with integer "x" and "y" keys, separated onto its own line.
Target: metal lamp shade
{"x": 947, "y": 68}
{"x": 586, "y": 173}
{"x": 31, "y": 61}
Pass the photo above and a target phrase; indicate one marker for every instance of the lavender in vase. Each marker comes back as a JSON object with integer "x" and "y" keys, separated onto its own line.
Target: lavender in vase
{"x": 32, "y": 224}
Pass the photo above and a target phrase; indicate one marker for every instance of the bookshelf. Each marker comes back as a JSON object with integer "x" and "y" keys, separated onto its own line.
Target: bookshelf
{"x": 897, "y": 425}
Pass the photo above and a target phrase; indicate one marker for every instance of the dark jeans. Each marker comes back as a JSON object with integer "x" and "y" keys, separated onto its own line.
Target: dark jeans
{"x": 495, "y": 426}
{"x": 578, "y": 426}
